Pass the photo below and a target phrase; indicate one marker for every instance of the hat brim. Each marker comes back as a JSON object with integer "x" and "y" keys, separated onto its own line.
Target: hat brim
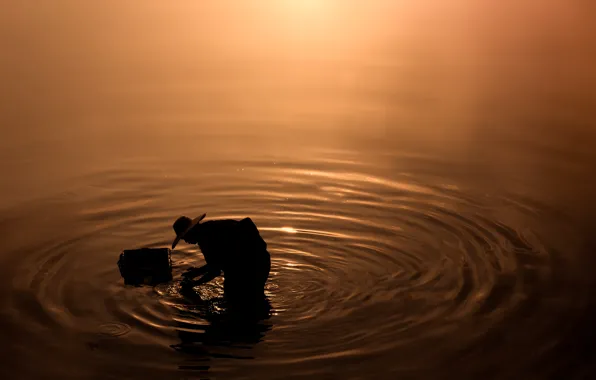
{"x": 192, "y": 225}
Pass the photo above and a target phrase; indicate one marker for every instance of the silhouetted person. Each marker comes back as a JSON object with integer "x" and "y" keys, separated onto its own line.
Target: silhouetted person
{"x": 229, "y": 246}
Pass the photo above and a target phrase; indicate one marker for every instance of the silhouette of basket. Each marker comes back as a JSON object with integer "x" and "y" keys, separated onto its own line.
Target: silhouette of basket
{"x": 145, "y": 266}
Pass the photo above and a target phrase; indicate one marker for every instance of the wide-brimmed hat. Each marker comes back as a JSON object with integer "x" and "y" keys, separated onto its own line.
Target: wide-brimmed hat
{"x": 184, "y": 224}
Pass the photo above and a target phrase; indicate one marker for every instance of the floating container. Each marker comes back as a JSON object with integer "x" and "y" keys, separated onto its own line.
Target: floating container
{"x": 145, "y": 266}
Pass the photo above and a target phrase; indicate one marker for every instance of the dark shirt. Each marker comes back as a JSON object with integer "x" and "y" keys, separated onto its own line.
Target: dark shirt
{"x": 237, "y": 249}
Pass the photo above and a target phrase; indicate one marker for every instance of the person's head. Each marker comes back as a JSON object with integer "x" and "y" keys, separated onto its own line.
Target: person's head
{"x": 185, "y": 229}
{"x": 191, "y": 236}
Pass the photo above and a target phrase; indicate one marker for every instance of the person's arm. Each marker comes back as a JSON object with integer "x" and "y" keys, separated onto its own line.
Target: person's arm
{"x": 207, "y": 277}
{"x": 194, "y": 272}
{"x": 210, "y": 275}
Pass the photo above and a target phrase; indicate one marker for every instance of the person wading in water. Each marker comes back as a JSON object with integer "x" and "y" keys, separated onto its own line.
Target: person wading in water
{"x": 233, "y": 247}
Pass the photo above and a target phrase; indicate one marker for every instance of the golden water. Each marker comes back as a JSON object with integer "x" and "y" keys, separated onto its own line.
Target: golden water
{"x": 422, "y": 173}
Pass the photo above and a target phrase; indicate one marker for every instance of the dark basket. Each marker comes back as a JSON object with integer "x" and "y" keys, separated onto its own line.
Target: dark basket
{"x": 145, "y": 266}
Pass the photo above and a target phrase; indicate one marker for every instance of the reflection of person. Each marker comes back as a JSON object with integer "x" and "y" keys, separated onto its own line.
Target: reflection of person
{"x": 229, "y": 246}
{"x": 228, "y": 331}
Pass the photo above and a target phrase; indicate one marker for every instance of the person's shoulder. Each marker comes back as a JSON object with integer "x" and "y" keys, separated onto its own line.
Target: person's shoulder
{"x": 219, "y": 222}
{"x": 213, "y": 226}
{"x": 243, "y": 225}
{"x": 247, "y": 223}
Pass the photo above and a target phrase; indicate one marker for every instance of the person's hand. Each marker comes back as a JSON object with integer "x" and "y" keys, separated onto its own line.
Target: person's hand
{"x": 187, "y": 283}
{"x": 188, "y": 272}
{"x": 194, "y": 271}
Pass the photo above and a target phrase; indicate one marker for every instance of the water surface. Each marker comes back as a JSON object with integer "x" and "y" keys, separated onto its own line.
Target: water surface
{"x": 426, "y": 192}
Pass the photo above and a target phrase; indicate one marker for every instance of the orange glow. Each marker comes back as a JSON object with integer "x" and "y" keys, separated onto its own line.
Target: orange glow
{"x": 307, "y": 5}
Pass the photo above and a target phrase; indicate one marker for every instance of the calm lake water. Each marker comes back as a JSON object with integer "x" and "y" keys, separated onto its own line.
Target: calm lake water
{"x": 423, "y": 176}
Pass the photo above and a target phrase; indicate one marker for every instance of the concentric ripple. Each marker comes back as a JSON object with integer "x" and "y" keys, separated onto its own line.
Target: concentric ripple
{"x": 401, "y": 271}
{"x": 114, "y": 329}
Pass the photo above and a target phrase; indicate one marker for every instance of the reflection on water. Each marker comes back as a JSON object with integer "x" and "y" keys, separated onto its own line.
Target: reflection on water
{"x": 204, "y": 324}
{"x": 390, "y": 272}
{"x": 425, "y": 187}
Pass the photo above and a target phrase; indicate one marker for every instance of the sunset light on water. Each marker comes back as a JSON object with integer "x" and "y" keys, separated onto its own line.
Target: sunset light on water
{"x": 418, "y": 178}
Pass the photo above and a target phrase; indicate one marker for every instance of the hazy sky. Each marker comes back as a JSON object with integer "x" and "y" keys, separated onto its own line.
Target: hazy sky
{"x": 289, "y": 59}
